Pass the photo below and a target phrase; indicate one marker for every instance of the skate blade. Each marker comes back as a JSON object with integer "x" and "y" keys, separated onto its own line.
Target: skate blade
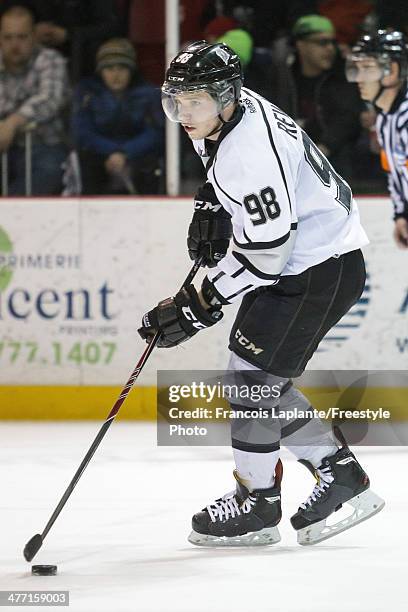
{"x": 365, "y": 505}
{"x": 264, "y": 537}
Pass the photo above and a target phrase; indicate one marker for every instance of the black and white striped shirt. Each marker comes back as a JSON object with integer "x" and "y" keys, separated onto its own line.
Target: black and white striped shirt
{"x": 290, "y": 209}
{"x": 392, "y": 131}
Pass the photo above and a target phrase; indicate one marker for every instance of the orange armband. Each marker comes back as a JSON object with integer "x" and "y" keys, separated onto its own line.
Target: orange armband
{"x": 384, "y": 161}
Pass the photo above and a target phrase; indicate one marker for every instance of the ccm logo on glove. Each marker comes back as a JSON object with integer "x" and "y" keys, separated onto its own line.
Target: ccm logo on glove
{"x": 178, "y": 319}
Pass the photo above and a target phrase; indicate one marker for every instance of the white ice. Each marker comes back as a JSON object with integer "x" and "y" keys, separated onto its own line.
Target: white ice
{"x": 120, "y": 543}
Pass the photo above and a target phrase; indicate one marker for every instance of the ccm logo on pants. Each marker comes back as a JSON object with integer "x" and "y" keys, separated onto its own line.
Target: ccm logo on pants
{"x": 250, "y": 346}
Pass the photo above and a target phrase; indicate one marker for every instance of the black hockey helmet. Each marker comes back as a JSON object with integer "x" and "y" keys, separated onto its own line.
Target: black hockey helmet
{"x": 202, "y": 66}
{"x": 385, "y": 47}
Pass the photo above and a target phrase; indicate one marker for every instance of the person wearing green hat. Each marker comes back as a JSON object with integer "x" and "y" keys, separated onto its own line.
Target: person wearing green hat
{"x": 312, "y": 24}
{"x": 311, "y": 87}
{"x": 315, "y": 43}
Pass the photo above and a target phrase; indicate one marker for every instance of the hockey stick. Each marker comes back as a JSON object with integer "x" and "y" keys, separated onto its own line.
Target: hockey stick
{"x": 33, "y": 546}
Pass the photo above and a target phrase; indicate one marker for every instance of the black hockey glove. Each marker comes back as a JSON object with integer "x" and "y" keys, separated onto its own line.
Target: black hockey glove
{"x": 210, "y": 229}
{"x": 178, "y": 318}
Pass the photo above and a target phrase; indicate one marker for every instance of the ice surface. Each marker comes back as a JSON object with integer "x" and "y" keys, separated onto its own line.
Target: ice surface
{"x": 120, "y": 543}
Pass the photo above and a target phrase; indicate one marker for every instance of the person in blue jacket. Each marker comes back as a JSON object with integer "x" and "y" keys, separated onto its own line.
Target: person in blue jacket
{"x": 118, "y": 125}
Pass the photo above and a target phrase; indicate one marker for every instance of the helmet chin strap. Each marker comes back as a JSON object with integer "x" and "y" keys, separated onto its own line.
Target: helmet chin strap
{"x": 381, "y": 91}
{"x": 222, "y": 121}
{"x": 218, "y": 127}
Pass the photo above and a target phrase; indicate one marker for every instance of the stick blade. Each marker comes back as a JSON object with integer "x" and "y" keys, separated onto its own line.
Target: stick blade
{"x": 32, "y": 547}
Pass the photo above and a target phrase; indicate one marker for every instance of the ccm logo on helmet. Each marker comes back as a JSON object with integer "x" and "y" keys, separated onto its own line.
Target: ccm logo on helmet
{"x": 250, "y": 346}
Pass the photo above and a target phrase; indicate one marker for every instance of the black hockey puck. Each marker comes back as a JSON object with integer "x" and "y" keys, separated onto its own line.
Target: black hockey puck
{"x": 44, "y": 570}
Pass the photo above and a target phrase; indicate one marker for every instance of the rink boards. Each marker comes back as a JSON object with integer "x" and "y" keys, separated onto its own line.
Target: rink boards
{"x": 76, "y": 275}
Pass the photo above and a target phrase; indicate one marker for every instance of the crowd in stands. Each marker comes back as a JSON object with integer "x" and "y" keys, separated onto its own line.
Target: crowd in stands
{"x": 83, "y": 78}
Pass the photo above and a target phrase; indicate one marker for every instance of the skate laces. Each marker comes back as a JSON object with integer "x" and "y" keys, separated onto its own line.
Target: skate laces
{"x": 324, "y": 478}
{"x": 228, "y": 507}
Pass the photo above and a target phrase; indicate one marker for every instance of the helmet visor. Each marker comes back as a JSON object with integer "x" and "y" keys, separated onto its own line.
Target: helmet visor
{"x": 364, "y": 69}
{"x": 189, "y": 106}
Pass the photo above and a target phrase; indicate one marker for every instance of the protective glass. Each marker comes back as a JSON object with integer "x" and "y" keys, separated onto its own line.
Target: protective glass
{"x": 192, "y": 106}
{"x": 365, "y": 69}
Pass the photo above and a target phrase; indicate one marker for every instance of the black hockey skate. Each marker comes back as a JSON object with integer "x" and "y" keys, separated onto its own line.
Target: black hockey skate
{"x": 340, "y": 479}
{"x": 240, "y": 518}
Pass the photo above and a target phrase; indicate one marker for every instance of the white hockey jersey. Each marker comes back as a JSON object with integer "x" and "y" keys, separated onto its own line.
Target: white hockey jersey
{"x": 290, "y": 210}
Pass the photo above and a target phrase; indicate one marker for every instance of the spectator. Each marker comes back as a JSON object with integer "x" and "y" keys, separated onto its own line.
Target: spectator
{"x": 118, "y": 125}
{"x": 76, "y": 28}
{"x": 241, "y": 42}
{"x": 33, "y": 88}
{"x": 312, "y": 88}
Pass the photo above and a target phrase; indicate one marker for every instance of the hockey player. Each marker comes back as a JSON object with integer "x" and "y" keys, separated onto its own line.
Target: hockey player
{"x": 379, "y": 65}
{"x": 297, "y": 266}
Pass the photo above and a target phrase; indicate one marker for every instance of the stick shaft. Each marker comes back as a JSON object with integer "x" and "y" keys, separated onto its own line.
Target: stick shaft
{"x": 111, "y": 416}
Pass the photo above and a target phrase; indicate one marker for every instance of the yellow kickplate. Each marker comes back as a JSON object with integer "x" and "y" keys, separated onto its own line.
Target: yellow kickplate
{"x": 66, "y": 402}
{"x": 95, "y": 402}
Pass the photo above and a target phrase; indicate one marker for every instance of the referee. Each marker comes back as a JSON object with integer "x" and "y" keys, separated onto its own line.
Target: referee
{"x": 379, "y": 65}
